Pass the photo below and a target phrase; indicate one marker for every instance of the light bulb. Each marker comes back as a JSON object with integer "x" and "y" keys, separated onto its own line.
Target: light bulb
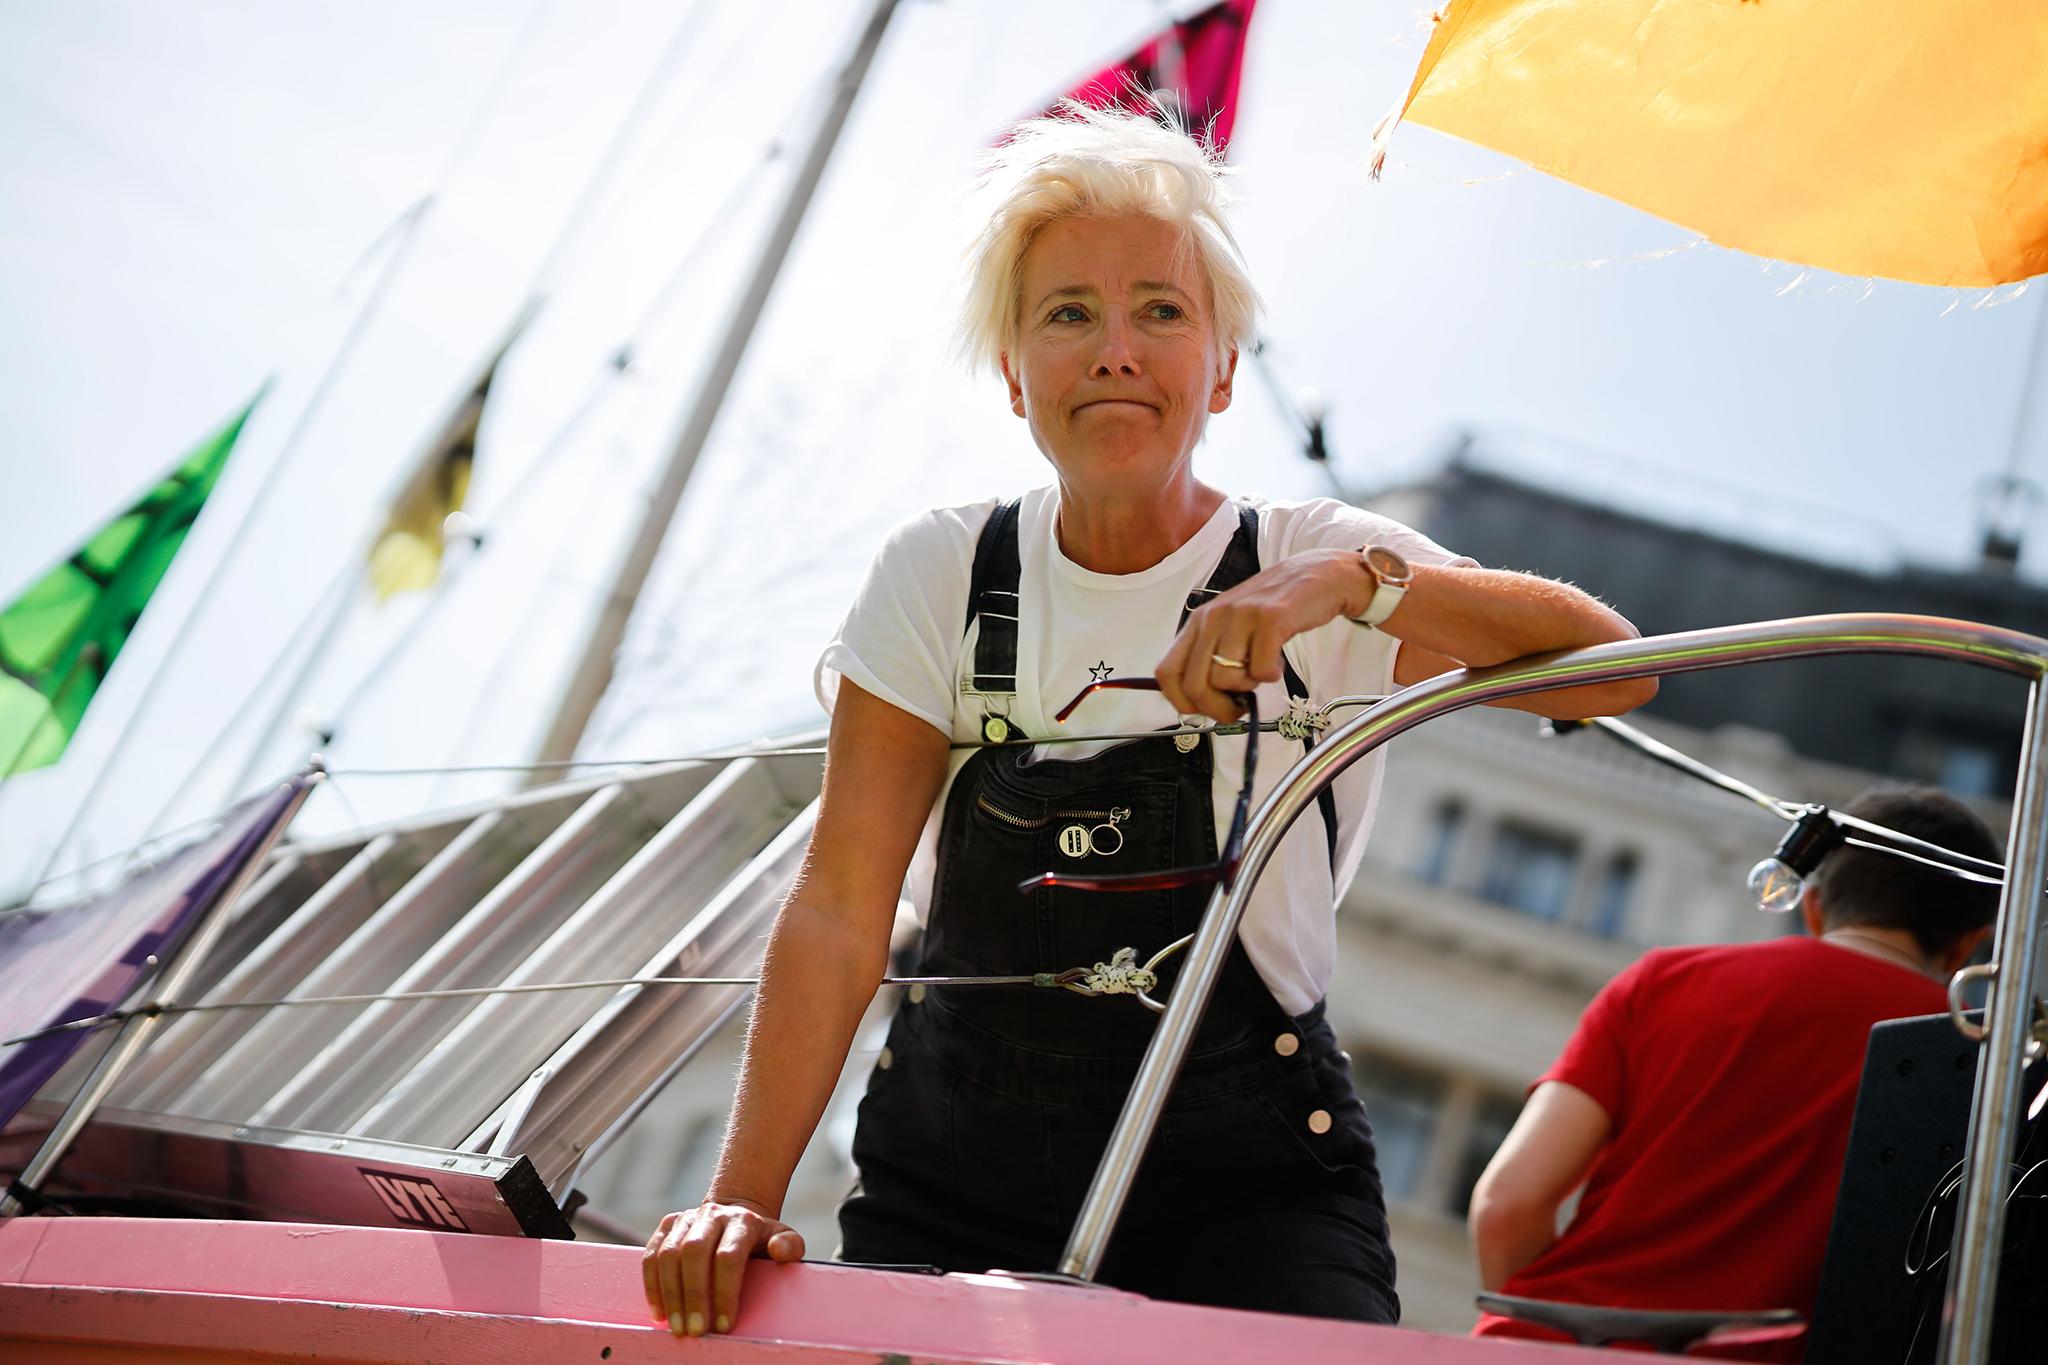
{"x": 1776, "y": 886}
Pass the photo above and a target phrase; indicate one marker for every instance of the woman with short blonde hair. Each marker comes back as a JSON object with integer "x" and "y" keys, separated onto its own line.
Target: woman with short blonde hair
{"x": 1108, "y": 292}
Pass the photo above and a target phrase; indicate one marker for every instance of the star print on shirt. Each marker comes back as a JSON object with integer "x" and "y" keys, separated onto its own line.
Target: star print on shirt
{"x": 1100, "y": 672}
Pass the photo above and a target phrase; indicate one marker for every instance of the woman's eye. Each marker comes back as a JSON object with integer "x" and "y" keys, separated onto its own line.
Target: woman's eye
{"x": 1068, "y": 312}
{"x": 1167, "y": 312}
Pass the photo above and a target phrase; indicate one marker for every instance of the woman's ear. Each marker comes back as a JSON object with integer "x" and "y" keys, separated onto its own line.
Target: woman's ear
{"x": 1010, "y": 378}
{"x": 1219, "y": 394}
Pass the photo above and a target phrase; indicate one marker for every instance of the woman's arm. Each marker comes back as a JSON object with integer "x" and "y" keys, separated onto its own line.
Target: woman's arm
{"x": 1451, "y": 617}
{"x": 826, "y": 955}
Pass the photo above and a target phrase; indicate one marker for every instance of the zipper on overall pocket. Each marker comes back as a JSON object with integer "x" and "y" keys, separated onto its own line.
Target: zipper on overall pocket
{"x": 1115, "y": 815}
{"x": 1088, "y": 831}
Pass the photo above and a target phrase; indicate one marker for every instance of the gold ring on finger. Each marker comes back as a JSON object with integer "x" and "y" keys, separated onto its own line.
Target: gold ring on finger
{"x": 1221, "y": 662}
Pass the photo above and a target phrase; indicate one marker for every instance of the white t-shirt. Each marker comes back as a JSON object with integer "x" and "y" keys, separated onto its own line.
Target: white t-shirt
{"x": 902, "y": 642}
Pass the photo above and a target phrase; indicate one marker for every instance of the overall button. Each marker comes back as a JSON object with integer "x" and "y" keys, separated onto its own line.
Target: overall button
{"x": 917, "y": 995}
{"x": 888, "y": 1059}
{"x": 1319, "y": 1122}
{"x": 1287, "y": 1045}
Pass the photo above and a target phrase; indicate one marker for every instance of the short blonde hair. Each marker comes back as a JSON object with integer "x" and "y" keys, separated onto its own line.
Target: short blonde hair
{"x": 1081, "y": 161}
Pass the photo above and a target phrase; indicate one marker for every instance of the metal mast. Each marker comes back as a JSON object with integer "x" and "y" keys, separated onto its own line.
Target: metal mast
{"x": 594, "y": 660}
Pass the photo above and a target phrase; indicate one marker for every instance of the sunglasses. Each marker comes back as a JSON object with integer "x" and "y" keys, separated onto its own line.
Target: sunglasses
{"x": 1172, "y": 879}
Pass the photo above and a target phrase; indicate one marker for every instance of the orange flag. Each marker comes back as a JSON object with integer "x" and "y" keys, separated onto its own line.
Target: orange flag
{"x": 1903, "y": 138}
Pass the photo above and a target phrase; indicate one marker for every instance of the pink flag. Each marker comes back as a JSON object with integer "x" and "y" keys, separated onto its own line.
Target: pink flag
{"x": 1197, "y": 63}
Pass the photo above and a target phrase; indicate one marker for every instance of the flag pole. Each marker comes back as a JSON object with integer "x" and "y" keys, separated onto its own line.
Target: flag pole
{"x": 593, "y": 671}
{"x": 544, "y": 274}
{"x": 337, "y": 589}
{"x": 330, "y": 631}
{"x": 357, "y": 328}
{"x": 408, "y": 235}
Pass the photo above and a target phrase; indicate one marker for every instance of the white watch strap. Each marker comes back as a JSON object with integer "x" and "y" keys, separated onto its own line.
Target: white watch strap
{"x": 1385, "y": 597}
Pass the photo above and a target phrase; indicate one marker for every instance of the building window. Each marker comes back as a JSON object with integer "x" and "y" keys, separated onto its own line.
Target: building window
{"x": 1439, "y": 841}
{"x": 1403, "y": 1103}
{"x": 1961, "y": 764}
{"x": 1489, "y": 1128}
{"x": 1970, "y": 770}
{"x": 1611, "y": 897}
{"x": 1530, "y": 870}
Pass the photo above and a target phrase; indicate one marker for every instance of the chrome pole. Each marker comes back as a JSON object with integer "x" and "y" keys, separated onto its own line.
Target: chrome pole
{"x": 1689, "y": 651}
{"x": 1966, "y": 1315}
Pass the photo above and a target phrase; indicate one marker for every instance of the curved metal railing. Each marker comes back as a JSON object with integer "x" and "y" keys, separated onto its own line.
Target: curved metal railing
{"x": 1994, "y": 1108}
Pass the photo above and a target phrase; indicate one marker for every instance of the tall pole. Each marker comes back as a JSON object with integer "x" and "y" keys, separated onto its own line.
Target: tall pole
{"x": 594, "y": 661}
{"x": 1996, "y": 1104}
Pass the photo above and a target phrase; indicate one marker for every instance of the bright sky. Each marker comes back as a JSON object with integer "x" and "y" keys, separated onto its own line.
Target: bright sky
{"x": 195, "y": 198}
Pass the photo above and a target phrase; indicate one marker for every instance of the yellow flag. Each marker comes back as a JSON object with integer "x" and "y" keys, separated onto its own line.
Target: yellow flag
{"x": 406, "y": 556}
{"x": 1902, "y": 138}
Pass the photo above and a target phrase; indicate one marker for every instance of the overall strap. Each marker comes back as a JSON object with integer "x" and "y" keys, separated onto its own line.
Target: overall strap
{"x": 992, "y": 596}
{"x": 1240, "y": 561}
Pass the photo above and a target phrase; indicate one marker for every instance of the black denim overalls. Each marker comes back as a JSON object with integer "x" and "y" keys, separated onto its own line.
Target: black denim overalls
{"x": 990, "y": 1106}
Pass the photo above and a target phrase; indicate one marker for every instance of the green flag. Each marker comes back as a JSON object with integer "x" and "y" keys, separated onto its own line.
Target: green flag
{"x": 59, "y": 638}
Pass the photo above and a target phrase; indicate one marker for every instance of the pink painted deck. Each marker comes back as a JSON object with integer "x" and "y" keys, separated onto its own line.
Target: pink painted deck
{"x": 102, "y": 1289}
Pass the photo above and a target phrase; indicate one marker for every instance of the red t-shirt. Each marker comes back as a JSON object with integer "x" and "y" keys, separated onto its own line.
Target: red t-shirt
{"x": 1730, "y": 1076}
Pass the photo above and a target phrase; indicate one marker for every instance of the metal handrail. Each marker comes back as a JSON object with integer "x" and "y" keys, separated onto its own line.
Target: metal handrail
{"x": 1994, "y": 1108}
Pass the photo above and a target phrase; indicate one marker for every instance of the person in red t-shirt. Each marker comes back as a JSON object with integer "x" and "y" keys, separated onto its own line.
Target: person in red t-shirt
{"x": 1704, "y": 1101}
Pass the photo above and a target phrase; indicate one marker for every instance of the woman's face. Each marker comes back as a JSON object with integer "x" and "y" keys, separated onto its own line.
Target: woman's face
{"x": 1115, "y": 365}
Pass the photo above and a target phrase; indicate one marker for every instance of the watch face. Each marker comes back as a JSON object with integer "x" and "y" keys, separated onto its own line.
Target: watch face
{"x": 1388, "y": 566}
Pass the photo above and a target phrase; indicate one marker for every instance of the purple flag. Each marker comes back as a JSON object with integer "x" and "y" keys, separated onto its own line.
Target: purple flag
{"x": 76, "y": 961}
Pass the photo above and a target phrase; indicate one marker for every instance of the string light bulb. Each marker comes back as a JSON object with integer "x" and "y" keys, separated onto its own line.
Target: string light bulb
{"x": 1779, "y": 881}
{"x": 1775, "y": 886}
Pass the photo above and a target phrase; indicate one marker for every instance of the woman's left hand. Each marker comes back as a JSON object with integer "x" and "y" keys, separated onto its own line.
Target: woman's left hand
{"x": 1232, "y": 642}
{"x": 1451, "y": 617}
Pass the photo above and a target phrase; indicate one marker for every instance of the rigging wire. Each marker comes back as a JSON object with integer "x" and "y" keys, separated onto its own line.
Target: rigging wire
{"x": 134, "y": 851}
{"x": 322, "y": 605}
{"x": 557, "y": 444}
{"x": 794, "y": 749}
{"x": 407, "y": 238}
{"x": 679, "y": 44}
{"x": 620, "y": 365}
{"x": 1119, "y": 976}
{"x": 1883, "y": 840}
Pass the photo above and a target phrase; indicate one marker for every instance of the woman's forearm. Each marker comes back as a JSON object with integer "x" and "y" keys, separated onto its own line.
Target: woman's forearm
{"x": 817, "y": 977}
{"x": 1488, "y": 616}
{"x": 1479, "y": 617}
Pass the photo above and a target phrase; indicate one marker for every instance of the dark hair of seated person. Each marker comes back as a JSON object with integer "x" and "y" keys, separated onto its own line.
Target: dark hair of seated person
{"x": 1879, "y": 890}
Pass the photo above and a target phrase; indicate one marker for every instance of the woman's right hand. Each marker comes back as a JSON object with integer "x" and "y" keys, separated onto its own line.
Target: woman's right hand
{"x": 696, "y": 1259}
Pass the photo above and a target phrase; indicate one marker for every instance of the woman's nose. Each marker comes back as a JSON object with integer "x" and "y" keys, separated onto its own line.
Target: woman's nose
{"x": 1115, "y": 355}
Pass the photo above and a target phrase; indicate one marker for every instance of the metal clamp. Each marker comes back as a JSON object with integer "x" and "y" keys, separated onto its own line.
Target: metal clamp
{"x": 1152, "y": 966}
{"x": 1957, "y": 1010}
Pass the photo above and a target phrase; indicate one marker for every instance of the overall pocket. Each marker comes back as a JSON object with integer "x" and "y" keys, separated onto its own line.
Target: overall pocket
{"x": 1130, "y": 827}
{"x": 1317, "y": 1114}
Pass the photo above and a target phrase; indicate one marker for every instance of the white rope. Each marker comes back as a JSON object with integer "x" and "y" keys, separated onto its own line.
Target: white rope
{"x": 1302, "y": 720}
{"x": 1121, "y": 975}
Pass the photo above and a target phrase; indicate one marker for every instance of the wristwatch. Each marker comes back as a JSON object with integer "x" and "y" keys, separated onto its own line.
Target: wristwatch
{"x": 1392, "y": 575}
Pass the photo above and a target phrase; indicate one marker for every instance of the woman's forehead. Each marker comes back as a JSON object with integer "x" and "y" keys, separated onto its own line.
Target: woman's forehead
{"x": 1114, "y": 252}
